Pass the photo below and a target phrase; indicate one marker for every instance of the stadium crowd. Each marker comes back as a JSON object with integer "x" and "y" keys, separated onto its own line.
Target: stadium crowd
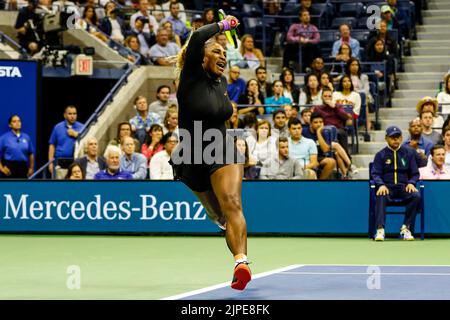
{"x": 291, "y": 131}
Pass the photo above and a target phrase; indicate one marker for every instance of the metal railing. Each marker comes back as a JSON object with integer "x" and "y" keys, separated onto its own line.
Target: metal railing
{"x": 11, "y": 42}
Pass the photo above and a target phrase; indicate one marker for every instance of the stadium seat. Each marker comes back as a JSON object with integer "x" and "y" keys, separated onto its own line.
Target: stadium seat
{"x": 291, "y": 9}
{"x": 252, "y": 10}
{"x": 352, "y": 21}
{"x": 351, "y": 9}
{"x": 395, "y": 203}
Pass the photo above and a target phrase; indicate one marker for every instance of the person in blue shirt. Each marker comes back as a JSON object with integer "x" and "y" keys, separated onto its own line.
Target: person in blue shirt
{"x": 346, "y": 38}
{"x": 131, "y": 161}
{"x": 418, "y": 142}
{"x": 278, "y": 98}
{"x": 236, "y": 86}
{"x": 395, "y": 174}
{"x": 113, "y": 171}
{"x": 63, "y": 137}
{"x": 16, "y": 151}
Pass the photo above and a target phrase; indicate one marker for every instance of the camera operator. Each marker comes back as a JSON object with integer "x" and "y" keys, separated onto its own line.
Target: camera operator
{"x": 112, "y": 25}
{"x": 152, "y": 25}
{"x": 146, "y": 39}
{"x": 26, "y": 22}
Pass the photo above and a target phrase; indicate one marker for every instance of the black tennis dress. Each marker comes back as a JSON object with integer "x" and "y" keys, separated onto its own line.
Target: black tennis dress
{"x": 203, "y": 104}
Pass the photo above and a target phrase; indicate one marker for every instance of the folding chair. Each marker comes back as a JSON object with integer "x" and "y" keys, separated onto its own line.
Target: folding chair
{"x": 394, "y": 203}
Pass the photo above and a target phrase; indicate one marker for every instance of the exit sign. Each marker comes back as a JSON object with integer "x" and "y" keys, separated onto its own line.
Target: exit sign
{"x": 83, "y": 65}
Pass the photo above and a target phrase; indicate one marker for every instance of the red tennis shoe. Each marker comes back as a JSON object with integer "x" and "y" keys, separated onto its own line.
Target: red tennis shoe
{"x": 242, "y": 275}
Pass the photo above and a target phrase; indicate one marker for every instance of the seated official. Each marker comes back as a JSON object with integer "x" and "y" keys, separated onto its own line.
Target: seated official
{"x": 395, "y": 174}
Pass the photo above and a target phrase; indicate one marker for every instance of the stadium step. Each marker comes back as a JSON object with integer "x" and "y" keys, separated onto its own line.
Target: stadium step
{"x": 427, "y": 67}
{"x": 435, "y": 35}
{"x": 430, "y": 43}
{"x": 436, "y": 13}
{"x": 414, "y": 94}
{"x": 404, "y": 103}
{"x": 431, "y": 28}
{"x": 390, "y": 113}
{"x": 402, "y": 123}
{"x": 441, "y": 5}
{"x": 435, "y": 51}
{"x": 435, "y": 20}
{"x": 432, "y": 76}
{"x": 362, "y": 160}
{"x": 371, "y": 147}
{"x": 418, "y": 85}
{"x": 445, "y": 59}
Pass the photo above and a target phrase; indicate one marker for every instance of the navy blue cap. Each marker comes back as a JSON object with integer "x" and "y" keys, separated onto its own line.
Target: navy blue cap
{"x": 393, "y": 131}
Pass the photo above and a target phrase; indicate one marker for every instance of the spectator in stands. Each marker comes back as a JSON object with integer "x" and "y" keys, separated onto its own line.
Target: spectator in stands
{"x": 419, "y": 143}
{"x": 334, "y": 116}
{"x": 131, "y": 161}
{"x": 344, "y": 55}
{"x": 252, "y": 55}
{"x": 291, "y": 90}
{"x": 208, "y": 16}
{"x": 383, "y": 34}
{"x": 167, "y": 7}
{"x": 141, "y": 123}
{"x": 265, "y": 87}
{"x": 435, "y": 169}
{"x": 250, "y": 169}
{"x": 387, "y": 14}
{"x": 152, "y": 144}
{"x": 315, "y": 133}
{"x": 113, "y": 171}
{"x": 426, "y": 119}
{"x": 74, "y": 172}
{"x": 196, "y": 22}
{"x": 124, "y": 130}
{"x": 133, "y": 44}
{"x": 236, "y": 85}
{"x": 377, "y": 53}
{"x": 159, "y": 167}
{"x": 302, "y": 149}
{"x": 263, "y": 147}
{"x": 63, "y": 137}
{"x": 277, "y": 98}
{"x": 27, "y": 38}
{"x": 305, "y": 5}
{"x": 280, "y": 128}
{"x": 326, "y": 81}
{"x": 443, "y": 97}
{"x": 430, "y": 104}
{"x": 446, "y": 138}
{"x": 317, "y": 66}
{"x": 301, "y": 36}
{"x": 113, "y": 25}
{"x": 156, "y": 10}
{"x": 305, "y": 116}
{"x": 294, "y": 111}
{"x": 171, "y": 120}
{"x": 16, "y": 151}
{"x": 91, "y": 163}
{"x": 234, "y": 57}
{"x": 253, "y": 96}
{"x": 272, "y": 7}
{"x": 151, "y": 24}
{"x": 146, "y": 40}
{"x": 173, "y": 94}
{"x": 360, "y": 83}
{"x": 163, "y": 49}
{"x": 346, "y": 95}
{"x": 234, "y": 122}
{"x": 173, "y": 37}
{"x": 281, "y": 165}
{"x": 288, "y": 110}
{"x": 250, "y": 124}
{"x": 311, "y": 92}
{"x": 162, "y": 103}
{"x": 88, "y": 23}
{"x": 347, "y": 39}
{"x": 178, "y": 25}
{"x": 395, "y": 174}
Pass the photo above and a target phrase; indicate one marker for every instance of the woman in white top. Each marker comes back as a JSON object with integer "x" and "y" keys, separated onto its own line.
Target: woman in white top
{"x": 347, "y": 96}
{"x": 264, "y": 147}
{"x": 444, "y": 96}
{"x": 88, "y": 22}
{"x": 311, "y": 93}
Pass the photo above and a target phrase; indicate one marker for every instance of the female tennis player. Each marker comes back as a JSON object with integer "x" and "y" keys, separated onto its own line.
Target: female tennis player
{"x": 204, "y": 105}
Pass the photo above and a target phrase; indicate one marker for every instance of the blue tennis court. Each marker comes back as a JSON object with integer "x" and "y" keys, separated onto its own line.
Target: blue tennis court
{"x": 337, "y": 282}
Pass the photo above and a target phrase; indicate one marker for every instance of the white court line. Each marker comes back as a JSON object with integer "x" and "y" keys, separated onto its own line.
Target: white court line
{"x": 226, "y": 284}
{"x": 366, "y": 273}
{"x": 378, "y": 265}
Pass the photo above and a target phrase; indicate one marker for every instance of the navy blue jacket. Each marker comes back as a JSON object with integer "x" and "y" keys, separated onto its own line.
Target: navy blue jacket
{"x": 395, "y": 167}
